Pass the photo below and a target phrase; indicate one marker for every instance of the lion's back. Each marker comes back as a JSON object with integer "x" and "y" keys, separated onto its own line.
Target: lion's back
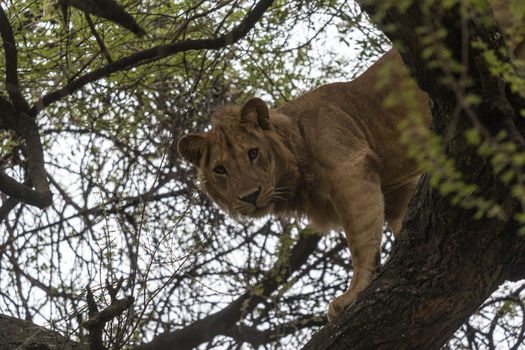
{"x": 340, "y": 118}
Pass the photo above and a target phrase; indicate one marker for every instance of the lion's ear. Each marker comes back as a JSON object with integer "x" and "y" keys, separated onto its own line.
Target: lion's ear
{"x": 256, "y": 112}
{"x": 191, "y": 147}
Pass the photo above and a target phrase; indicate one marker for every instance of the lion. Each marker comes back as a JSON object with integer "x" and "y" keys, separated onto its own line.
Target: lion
{"x": 332, "y": 155}
{"x": 352, "y": 172}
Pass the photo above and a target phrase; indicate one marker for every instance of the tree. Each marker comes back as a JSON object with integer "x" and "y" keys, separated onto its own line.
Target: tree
{"x": 91, "y": 112}
{"x": 460, "y": 259}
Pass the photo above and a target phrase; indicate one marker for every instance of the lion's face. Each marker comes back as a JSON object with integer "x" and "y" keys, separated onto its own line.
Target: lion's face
{"x": 239, "y": 160}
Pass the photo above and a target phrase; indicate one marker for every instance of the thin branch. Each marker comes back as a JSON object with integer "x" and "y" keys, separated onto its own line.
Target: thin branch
{"x": 112, "y": 206}
{"x": 220, "y": 322}
{"x": 49, "y": 290}
{"x": 157, "y": 53}
{"x": 103, "y": 49}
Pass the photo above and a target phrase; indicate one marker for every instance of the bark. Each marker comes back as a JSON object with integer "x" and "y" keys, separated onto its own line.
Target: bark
{"x": 446, "y": 263}
{"x": 108, "y": 9}
{"x": 14, "y": 114}
{"x": 24, "y": 335}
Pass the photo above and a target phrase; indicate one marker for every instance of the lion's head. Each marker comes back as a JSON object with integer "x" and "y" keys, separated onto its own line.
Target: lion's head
{"x": 246, "y": 165}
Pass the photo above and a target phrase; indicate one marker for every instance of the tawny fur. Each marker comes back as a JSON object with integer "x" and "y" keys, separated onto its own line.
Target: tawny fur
{"x": 332, "y": 155}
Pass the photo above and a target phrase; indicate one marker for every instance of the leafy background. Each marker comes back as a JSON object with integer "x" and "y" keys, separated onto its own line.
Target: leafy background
{"x": 126, "y": 206}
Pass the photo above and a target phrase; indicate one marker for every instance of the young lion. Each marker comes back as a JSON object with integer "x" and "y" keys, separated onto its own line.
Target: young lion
{"x": 332, "y": 154}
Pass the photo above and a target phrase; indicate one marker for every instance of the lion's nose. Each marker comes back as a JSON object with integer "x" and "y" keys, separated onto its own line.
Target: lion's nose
{"x": 252, "y": 197}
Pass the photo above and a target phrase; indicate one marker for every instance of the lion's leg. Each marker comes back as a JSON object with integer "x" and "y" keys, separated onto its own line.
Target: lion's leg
{"x": 396, "y": 204}
{"x": 360, "y": 207}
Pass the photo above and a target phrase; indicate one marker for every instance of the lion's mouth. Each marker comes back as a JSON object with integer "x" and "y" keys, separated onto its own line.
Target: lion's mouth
{"x": 259, "y": 211}
{"x": 263, "y": 208}
{"x": 259, "y": 208}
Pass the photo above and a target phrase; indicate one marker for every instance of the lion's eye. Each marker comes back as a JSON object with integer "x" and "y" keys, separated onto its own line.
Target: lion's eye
{"x": 253, "y": 153}
{"x": 220, "y": 169}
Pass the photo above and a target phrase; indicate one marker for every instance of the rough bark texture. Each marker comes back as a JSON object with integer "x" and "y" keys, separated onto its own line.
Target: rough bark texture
{"x": 24, "y": 335}
{"x": 446, "y": 263}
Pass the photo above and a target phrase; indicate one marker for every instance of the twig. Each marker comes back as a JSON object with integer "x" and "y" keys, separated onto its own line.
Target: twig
{"x": 156, "y": 53}
{"x": 98, "y": 319}
{"x": 103, "y": 49}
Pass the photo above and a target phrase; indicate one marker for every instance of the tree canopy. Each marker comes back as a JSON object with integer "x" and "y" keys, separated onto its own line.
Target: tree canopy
{"x": 99, "y": 213}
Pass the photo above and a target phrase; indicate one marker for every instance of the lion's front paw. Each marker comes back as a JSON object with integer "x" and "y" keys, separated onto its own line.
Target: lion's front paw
{"x": 338, "y": 305}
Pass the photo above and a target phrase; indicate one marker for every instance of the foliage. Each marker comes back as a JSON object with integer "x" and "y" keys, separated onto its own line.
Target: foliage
{"x": 505, "y": 155}
{"x": 124, "y": 205}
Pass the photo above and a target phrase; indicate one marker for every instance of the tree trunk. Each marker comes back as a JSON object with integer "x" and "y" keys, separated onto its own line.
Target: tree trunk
{"x": 446, "y": 263}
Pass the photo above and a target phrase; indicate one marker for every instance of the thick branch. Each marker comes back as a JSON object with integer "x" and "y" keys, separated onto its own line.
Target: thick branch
{"x": 15, "y": 117}
{"x": 42, "y": 196}
{"x": 114, "y": 310}
{"x": 11, "y": 64}
{"x": 20, "y": 334}
{"x": 98, "y": 319}
{"x": 446, "y": 263}
{"x": 23, "y": 193}
{"x": 431, "y": 284}
{"x": 157, "y": 53}
{"x": 7, "y": 205}
{"x": 35, "y": 158}
{"x": 258, "y": 338}
{"x": 110, "y": 10}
